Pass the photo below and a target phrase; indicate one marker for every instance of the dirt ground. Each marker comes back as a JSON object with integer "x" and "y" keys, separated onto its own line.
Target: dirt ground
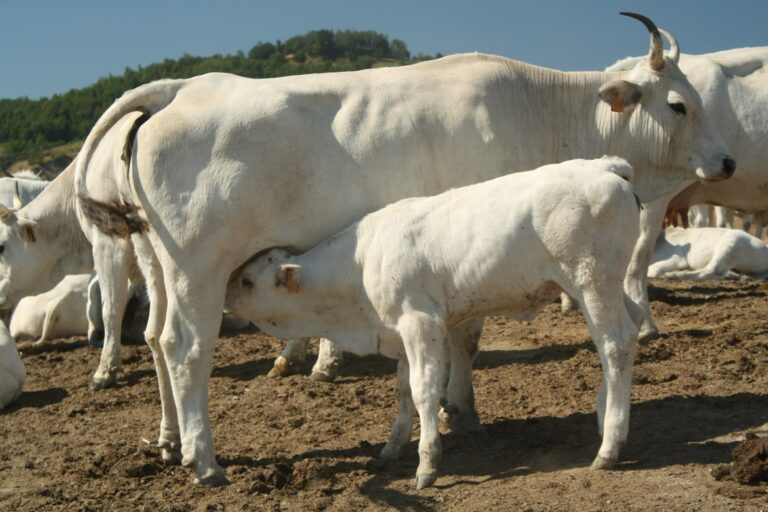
{"x": 294, "y": 444}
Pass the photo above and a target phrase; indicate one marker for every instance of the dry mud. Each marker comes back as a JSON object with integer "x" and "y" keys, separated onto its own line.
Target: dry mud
{"x": 294, "y": 444}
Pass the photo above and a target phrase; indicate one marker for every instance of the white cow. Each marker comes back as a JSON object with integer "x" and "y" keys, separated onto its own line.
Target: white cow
{"x": 708, "y": 253}
{"x": 225, "y": 167}
{"x": 733, "y": 85}
{"x": 58, "y": 313}
{"x": 12, "y": 373}
{"x": 401, "y": 280}
{"x": 21, "y": 188}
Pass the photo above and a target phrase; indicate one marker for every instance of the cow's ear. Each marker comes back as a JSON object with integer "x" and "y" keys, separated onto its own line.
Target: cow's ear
{"x": 6, "y": 214}
{"x": 27, "y": 230}
{"x": 620, "y": 95}
{"x": 289, "y": 275}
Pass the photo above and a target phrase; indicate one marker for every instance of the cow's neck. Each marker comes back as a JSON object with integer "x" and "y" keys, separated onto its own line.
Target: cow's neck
{"x": 54, "y": 211}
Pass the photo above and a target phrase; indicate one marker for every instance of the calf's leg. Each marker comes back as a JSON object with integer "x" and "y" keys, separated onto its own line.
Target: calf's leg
{"x": 424, "y": 337}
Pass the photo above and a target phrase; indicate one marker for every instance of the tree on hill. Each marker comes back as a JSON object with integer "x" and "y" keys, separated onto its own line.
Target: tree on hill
{"x": 27, "y": 127}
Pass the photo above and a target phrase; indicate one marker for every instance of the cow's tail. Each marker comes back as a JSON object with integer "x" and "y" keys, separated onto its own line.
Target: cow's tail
{"x": 120, "y": 219}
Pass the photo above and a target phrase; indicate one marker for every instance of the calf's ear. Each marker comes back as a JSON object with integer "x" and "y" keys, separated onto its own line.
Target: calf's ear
{"x": 27, "y": 230}
{"x": 289, "y": 275}
{"x": 620, "y": 94}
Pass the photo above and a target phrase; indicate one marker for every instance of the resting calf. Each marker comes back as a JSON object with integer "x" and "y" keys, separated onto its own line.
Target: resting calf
{"x": 708, "y": 253}
{"x": 408, "y": 279}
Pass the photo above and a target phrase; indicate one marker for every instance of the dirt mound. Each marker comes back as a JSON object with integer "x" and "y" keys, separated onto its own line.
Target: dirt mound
{"x": 750, "y": 462}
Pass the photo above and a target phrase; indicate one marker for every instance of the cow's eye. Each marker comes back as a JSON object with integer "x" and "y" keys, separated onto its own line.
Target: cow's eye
{"x": 2, "y": 249}
{"x": 247, "y": 283}
{"x": 678, "y": 107}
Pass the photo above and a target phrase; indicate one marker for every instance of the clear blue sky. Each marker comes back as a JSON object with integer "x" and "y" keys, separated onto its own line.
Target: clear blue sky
{"x": 51, "y": 46}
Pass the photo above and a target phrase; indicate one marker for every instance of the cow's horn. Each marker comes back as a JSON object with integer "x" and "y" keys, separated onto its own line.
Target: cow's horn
{"x": 16, "y": 197}
{"x": 674, "y": 48}
{"x": 656, "y": 54}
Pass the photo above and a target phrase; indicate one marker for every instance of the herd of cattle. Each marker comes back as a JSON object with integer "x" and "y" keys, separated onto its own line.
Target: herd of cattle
{"x": 300, "y": 204}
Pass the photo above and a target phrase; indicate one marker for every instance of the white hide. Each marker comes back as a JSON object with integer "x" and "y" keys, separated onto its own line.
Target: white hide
{"x": 12, "y": 373}
{"x": 733, "y": 85}
{"x": 401, "y": 279}
{"x": 226, "y": 167}
{"x": 26, "y": 183}
{"x": 708, "y": 253}
{"x": 57, "y": 313}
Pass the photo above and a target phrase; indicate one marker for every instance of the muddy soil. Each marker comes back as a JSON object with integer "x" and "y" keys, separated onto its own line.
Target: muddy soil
{"x": 294, "y": 444}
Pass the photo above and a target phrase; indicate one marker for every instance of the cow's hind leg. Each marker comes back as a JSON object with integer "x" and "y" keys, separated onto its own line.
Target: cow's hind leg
{"x": 169, "y": 439}
{"x": 614, "y": 333}
{"x": 195, "y": 302}
{"x": 112, "y": 259}
{"x": 458, "y": 411}
{"x": 424, "y": 337}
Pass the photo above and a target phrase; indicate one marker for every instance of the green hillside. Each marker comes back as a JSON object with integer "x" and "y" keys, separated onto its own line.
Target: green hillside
{"x": 33, "y": 131}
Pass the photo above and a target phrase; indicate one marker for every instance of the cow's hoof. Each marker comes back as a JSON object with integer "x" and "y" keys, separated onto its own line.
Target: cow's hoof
{"x": 648, "y": 336}
{"x": 603, "y": 463}
{"x": 99, "y": 383}
{"x": 284, "y": 368}
{"x": 389, "y": 453}
{"x": 463, "y": 424}
{"x": 425, "y": 480}
{"x": 170, "y": 456}
{"x": 322, "y": 376}
{"x": 96, "y": 340}
{"x": 213, "y": 478}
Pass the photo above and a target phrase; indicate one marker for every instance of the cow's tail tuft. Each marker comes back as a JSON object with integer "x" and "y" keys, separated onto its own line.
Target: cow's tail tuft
{"x": 116, "y": 219}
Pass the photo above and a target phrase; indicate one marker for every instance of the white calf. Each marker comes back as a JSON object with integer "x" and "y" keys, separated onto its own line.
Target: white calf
{"x": 12, "y": 373}
{"x": 410, "y": 280}
{"x": 57, "y": 313}
{"x": 708, "y": 253}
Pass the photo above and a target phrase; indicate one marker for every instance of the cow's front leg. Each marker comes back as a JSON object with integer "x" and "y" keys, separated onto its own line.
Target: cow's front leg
{"x": 636, "y": 280}
{"x": 458, "y": 411}
{"x": 403, "y": 426}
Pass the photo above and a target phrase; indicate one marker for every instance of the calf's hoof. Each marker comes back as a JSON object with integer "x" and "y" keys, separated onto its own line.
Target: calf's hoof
{"x": 425, "y": 480}
{"x": 284, "y": 368}
{"x": 603, "y": 463}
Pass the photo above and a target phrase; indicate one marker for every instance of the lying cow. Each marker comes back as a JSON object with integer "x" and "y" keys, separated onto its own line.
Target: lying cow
{"x": 12, "y": 373}
{"x": 57, "y": 313}
{"x": 708, "y": 253}
{"x": 402, "y": 280}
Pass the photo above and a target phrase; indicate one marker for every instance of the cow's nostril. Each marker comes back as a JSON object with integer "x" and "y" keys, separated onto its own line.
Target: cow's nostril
{"x": 729, "y": 166}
